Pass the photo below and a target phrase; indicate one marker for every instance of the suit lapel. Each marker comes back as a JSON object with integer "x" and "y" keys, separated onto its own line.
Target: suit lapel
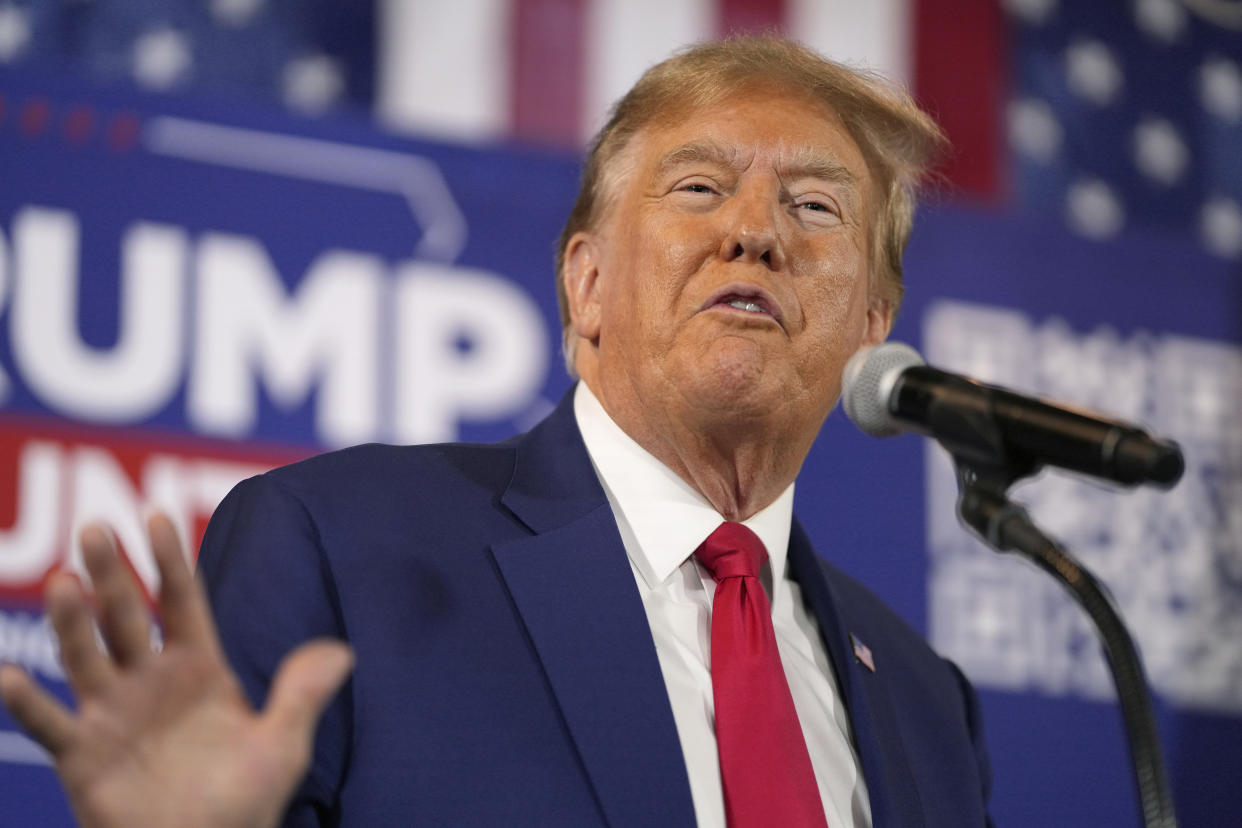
{"x": 572, "y": 585}
{"x": 890, "y": 783}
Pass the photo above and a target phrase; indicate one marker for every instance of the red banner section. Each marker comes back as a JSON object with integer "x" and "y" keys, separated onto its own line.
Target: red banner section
{"x": 55, "y": 479}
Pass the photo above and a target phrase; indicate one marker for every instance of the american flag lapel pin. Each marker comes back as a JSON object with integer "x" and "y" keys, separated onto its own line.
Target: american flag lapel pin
{"x": 863, "y": 653}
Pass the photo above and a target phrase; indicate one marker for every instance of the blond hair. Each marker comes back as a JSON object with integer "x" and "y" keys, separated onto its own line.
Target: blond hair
{"x": 898, "y": 140}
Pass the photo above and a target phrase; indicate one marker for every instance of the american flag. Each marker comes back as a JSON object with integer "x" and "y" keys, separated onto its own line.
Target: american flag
{"x": 1114, "y": 117}
{"x": 1129, "y": 117}
{"x": 863, "y": 653}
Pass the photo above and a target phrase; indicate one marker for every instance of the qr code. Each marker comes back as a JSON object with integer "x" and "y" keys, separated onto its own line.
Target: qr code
{"x": 1172, "y": 560}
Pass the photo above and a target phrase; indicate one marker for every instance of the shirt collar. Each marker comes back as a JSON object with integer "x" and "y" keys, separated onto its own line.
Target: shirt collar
{"x": 668, "y": 517}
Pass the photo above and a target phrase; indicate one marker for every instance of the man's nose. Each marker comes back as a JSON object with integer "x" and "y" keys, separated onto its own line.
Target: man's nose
{"x": 752, "y": 233}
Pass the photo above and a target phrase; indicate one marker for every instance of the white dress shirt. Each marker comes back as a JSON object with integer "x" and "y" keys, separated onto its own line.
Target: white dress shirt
{"x": 662, "y": 521}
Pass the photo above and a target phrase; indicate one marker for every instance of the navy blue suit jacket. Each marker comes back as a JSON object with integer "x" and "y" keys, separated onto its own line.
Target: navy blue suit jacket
{"x": 506, "y": 673}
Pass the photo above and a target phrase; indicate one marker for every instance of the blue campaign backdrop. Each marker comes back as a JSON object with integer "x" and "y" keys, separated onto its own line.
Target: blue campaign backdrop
{"x": 295, "y": 214}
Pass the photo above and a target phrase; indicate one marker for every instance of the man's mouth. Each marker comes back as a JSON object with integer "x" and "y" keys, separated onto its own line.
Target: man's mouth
{"x": 747, "y": 298}
{"x": 746, "y": 305}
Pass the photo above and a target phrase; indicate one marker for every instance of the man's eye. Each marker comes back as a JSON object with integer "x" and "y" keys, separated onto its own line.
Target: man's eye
{"x": 816, "y": 206}
{"x": 696, "y": 188}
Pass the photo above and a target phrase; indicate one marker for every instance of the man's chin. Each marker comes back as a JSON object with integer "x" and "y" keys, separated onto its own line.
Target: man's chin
{"x": 734, "y": 382}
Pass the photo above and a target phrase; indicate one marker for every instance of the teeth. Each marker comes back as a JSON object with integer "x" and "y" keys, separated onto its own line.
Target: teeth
{"x": 742, "y": 304}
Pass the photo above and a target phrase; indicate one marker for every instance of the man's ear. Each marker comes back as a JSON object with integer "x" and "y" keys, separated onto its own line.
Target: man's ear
{"x": 582, "y": 284}
{"x": 879, "y": 321}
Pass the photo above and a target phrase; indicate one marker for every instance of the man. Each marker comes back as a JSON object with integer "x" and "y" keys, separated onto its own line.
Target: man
{"x": 545, "y": 631}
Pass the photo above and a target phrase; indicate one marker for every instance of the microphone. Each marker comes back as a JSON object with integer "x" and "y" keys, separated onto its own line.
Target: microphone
{"x": 889, "y": 389}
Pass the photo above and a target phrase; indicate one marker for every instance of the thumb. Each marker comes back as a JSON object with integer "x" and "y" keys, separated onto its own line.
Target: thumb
{"x": 305, "y": 682}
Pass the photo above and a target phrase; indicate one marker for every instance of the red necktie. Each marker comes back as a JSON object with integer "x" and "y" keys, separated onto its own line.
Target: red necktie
{"x": 764, "y": 764}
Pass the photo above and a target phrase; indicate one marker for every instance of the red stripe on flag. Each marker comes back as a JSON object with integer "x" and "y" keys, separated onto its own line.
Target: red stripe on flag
{"x": 961, "y": 70}
{"x": 749, "y": 15}
{"x": 547, "y": 38}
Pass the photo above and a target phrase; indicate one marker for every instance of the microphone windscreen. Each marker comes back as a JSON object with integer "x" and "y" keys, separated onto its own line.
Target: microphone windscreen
{"x": 868, "y": 383}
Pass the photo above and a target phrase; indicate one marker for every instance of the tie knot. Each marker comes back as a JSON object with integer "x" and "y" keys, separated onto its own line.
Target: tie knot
{"x": 732, "y": 551}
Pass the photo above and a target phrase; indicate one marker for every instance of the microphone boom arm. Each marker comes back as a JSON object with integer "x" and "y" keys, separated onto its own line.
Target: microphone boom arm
{"x": 985, "y": 471}
{"x": 1006, "y": 527}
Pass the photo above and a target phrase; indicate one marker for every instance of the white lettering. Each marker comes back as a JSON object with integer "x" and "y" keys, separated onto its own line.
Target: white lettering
{"x": 470, "y": 345}
{"x": 140, "y": 373}
{"x": 182, "y": 488}
{"x": 465, "y": 344}
{"x": 28, "y": 549}
{"x": 248, "y": 324}
{"x": 165, "y": 488}
{"x": 28, "y": 641}
{"x": 102, "y": 492}
{"x": 63, "y": 488}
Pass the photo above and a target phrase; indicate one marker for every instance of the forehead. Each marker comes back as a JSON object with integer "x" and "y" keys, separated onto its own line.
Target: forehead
{"x": 790, "y": 131}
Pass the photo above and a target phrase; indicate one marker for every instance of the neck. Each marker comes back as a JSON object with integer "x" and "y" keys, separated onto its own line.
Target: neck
{"x": 739, "y": 462}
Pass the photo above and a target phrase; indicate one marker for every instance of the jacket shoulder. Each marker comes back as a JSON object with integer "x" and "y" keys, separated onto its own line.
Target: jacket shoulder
{"x": 408, "y": 469}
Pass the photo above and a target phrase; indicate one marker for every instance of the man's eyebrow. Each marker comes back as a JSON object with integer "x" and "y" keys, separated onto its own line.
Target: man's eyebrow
{"x": 807, "y": 163}
{"x": 696, "y": 151}
{"x": 803, "y": 164}
{"x": 820, "y": 168}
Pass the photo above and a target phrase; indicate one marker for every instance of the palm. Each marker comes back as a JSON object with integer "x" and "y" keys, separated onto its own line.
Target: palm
{"x": 167, "y": 738}
{"x": 131, "y": 741}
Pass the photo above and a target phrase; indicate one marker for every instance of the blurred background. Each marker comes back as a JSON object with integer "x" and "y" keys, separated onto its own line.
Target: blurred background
{"x": 234, "y": 233}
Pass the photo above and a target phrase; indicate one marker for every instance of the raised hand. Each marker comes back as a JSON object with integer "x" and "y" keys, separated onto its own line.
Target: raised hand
{"x": 167, "y": 738}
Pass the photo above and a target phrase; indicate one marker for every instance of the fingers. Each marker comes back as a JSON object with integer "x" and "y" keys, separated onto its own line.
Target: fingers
{"x": 183, "y": 609}
{"x": 88, "y": 668}
{"x": 123, "y": 617}
{"x": 40, "y": 715}
{"x": 305, "y": 682}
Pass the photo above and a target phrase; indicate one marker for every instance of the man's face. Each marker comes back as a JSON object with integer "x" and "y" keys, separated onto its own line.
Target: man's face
{"x": 730, "y": 270}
